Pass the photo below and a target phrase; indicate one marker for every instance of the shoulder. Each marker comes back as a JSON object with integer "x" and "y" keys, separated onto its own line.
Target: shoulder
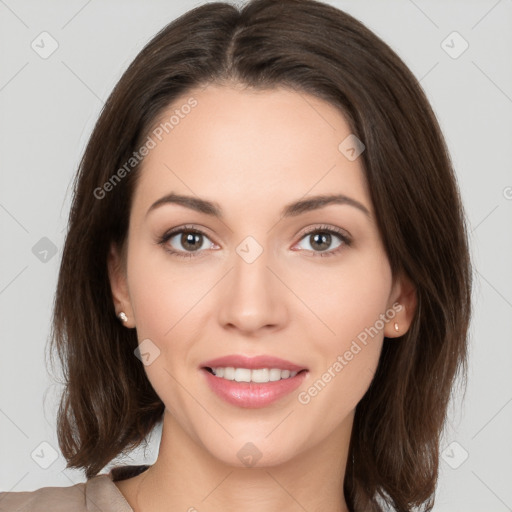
{"x": 97, "y": 494}
{"x": 46, "y": 498}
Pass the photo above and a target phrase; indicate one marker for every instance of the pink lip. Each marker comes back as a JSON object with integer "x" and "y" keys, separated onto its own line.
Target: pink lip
{"x": 252, "y": 395}
{"x": 263, "y": 361}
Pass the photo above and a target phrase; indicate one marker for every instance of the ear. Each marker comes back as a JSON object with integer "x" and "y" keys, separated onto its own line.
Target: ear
{"x": 403, "y": 302}
{"x": 118, "y": 284}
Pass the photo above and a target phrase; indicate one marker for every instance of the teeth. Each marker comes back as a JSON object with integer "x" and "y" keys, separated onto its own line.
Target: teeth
{"x": 248, "y": 375}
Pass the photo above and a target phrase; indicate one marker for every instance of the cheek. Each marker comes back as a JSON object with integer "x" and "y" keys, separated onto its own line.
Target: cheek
{"x": 351, "y": 303}
{"x": 163, "y": 300}
{"x": 167, "y": 300}
{"x": 163, "y": 293}
{"x": 346, "y": 298}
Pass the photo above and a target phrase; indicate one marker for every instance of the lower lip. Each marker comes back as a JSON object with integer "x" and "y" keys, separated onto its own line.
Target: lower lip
{"x": 252, "y": 394}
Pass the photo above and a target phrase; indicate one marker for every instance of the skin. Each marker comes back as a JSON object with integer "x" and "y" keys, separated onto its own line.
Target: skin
{"x": 253, "y": 152}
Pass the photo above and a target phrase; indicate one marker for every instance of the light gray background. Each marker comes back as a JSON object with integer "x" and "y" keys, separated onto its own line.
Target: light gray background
{"x": 48, "y": 108}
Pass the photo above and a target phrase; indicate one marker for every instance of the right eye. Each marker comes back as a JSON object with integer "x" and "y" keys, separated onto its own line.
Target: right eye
{"x": 192, "y": 241}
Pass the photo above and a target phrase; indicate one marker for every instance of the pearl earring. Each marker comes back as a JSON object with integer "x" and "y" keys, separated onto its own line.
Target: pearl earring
{"x": 122, "y": 316}
{"x": 396, "y": 326}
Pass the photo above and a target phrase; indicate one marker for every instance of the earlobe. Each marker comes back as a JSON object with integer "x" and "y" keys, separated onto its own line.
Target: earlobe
{"x": 118, "y": 286}
{"x": 403, "y": 303}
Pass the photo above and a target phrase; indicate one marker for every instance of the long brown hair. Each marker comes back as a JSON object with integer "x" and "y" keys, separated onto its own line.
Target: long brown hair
{"x": 108, "y": 406}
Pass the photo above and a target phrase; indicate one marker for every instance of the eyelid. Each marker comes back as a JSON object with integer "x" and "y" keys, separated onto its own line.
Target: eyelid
{"x": 186, "y": 227}
{"x": 326, "y": 227}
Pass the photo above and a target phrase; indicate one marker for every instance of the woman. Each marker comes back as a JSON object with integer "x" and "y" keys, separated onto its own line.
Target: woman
{"x": 266, "y": 255}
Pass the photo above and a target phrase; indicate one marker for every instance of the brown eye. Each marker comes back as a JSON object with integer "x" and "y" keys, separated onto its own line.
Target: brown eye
{"x": 185, "y": 242}
{"x": 190, "y": 240}
{"x": 321, "y": 240}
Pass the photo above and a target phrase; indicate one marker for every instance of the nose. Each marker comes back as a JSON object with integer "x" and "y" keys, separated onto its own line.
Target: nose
{"x": 253, "y": 298}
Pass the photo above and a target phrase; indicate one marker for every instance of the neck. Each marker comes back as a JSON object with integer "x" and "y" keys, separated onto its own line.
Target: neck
{"x": 187, "y": 477}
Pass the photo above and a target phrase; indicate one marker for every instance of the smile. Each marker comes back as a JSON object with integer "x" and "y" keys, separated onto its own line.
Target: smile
{"x": 255, "y": 389}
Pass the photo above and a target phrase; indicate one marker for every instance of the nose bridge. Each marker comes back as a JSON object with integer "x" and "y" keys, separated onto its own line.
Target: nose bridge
{"x": 252, "y": 298}
{"x": 251, "y": 264}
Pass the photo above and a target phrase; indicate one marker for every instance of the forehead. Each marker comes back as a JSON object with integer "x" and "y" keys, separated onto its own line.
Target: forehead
{"x": 259, "y": 147}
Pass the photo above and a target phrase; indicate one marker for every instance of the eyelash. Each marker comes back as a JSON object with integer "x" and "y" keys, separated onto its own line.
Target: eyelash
{"x": 317, "y": 229}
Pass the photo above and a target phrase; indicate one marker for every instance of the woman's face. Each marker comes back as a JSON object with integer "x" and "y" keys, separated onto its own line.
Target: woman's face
{"x": 309, "y": 284}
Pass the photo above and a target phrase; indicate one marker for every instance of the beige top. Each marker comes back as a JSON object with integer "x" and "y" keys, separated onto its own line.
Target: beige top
{"x": 98, "y": 494}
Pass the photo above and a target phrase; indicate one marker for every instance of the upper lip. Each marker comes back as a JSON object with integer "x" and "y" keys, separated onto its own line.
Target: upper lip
{"x": 262, "y": 361}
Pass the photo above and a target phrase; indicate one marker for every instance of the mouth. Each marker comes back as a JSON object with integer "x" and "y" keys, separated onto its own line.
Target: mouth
{"x": 252, "y": 381}
{"x": 252, "y": 388}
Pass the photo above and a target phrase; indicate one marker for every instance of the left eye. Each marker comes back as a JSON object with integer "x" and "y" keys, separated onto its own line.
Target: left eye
{"x": 320, "y": 240}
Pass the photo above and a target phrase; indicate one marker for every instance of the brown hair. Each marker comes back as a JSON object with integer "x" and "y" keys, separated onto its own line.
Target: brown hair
{"x": 108, "y": 405}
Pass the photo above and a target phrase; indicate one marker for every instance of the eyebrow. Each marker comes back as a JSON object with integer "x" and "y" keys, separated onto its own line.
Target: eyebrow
{"x": 291, "y": 210}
